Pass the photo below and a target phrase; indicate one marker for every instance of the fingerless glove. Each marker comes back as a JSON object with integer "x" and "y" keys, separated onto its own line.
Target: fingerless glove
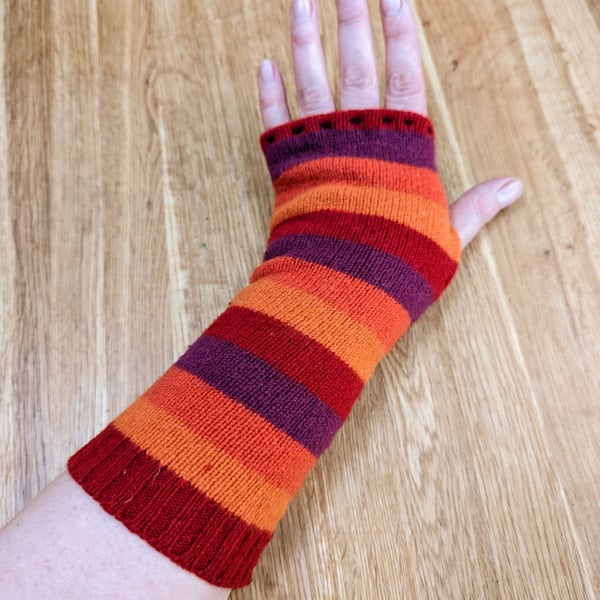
{"x": 203, "y": 465}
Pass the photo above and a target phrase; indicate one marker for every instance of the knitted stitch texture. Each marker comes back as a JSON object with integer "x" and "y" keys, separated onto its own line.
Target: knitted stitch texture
{"x": 203, "y": 465}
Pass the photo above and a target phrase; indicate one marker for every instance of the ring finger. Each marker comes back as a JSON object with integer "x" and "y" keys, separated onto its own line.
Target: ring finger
{"x": 405, "y": 87}
{"x": 312, "y": 85}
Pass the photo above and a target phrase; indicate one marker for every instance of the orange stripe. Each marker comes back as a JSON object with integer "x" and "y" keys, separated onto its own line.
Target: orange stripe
{"x": 352, "y": 342}
{"x": 205, "y": 466}
{"x": 238, "y": 428}
{"x": 417, "y": 181}
{"x": 361, "y": 301}
{"x": 427, "y": 218}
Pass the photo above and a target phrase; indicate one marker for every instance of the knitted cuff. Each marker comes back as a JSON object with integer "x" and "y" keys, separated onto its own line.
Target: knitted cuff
{"x": 204, "y": 463}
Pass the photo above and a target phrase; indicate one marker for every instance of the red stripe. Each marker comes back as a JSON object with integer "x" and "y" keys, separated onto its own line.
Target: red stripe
{"x": 371, "y": 119}
{"x": 425, "y": 256}
{"x": 168, "y": 512}
{"x": 293, "y": 353}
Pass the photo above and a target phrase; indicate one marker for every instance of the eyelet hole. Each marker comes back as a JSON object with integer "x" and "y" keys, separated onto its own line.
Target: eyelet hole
{"x": 271, "y": 139}
{"x": 326, "y": 125}
{"x": 298, "y": 130}
{"x": 356, "y": 120}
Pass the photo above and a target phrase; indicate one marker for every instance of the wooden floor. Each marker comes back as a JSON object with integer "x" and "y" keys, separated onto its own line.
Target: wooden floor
{"x": 134, "y": 202}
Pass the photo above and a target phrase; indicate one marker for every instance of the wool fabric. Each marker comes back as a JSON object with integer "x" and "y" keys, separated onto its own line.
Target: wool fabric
{"x": 203, "y": 465}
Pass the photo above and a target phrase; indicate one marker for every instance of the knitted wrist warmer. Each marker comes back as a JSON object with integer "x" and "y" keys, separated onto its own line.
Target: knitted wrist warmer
{"x": 204, "y": 463}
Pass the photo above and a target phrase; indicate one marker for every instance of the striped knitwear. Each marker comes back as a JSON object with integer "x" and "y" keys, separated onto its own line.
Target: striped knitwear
{"x": 203, "y": 465}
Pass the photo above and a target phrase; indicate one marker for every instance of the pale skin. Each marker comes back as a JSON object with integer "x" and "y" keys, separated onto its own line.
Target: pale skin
{"x": 63, "y": 545}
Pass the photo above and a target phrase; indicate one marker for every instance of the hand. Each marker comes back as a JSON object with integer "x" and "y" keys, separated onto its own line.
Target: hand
{"x": 359, "y": 88}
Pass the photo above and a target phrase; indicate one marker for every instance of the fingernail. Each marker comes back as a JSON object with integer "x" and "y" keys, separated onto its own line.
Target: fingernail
{"x": 391, "y": 7}
{"x": 302, "y": 8}
{"x": 509, "y": 192}
{"x": 267, "y": 71}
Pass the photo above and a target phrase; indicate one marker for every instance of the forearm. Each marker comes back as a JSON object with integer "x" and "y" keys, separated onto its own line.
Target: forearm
{"x": 63, "y": 545}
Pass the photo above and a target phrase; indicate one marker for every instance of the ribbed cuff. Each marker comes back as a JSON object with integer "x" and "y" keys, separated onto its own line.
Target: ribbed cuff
{"x": 364, "y": 119}
{"x": 167, "y": 512}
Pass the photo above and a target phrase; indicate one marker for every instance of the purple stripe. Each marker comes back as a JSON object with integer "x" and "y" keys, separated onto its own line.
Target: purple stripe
{"x": 263, "y": 389}
{"x": 402, "y": 147}
{"x": 387, "y": 272}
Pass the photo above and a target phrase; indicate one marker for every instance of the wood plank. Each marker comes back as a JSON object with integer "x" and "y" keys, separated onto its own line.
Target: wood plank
{"x": 537, "y": 104}
{"x": 137, "y": 304}
{"x": 9, "y": 480}
{"x": 27, "y": 83}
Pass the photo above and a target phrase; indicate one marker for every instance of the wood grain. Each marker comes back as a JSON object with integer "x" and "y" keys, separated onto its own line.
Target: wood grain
{"x": 134, "y": 202}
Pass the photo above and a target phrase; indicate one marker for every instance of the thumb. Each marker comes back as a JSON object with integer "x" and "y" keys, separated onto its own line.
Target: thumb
{"x": 481, "y": 204}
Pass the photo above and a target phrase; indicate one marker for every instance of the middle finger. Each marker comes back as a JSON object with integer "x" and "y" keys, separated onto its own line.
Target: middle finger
{"x": 358, "y": 74}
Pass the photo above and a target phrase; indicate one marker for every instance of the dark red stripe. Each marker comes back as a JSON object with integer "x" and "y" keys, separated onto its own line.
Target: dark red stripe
{"x": 298, "y": 356}
{"x": 425, "y": 256}
{"x": 377, "y": 119}
{"x": 166, "y": 511}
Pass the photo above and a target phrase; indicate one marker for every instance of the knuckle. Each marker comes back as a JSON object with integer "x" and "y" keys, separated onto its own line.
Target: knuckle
{"x": 303, "y": 36}
{"x": 312, "y": 98}
{"x": 352, "y": 14}
{"x": 395, "y": 28}
{"x": 483, "y": 209}
{"x": 268, "y": 101}
{"x": 406, "y": 83}
{"x": 357, "y": 76}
